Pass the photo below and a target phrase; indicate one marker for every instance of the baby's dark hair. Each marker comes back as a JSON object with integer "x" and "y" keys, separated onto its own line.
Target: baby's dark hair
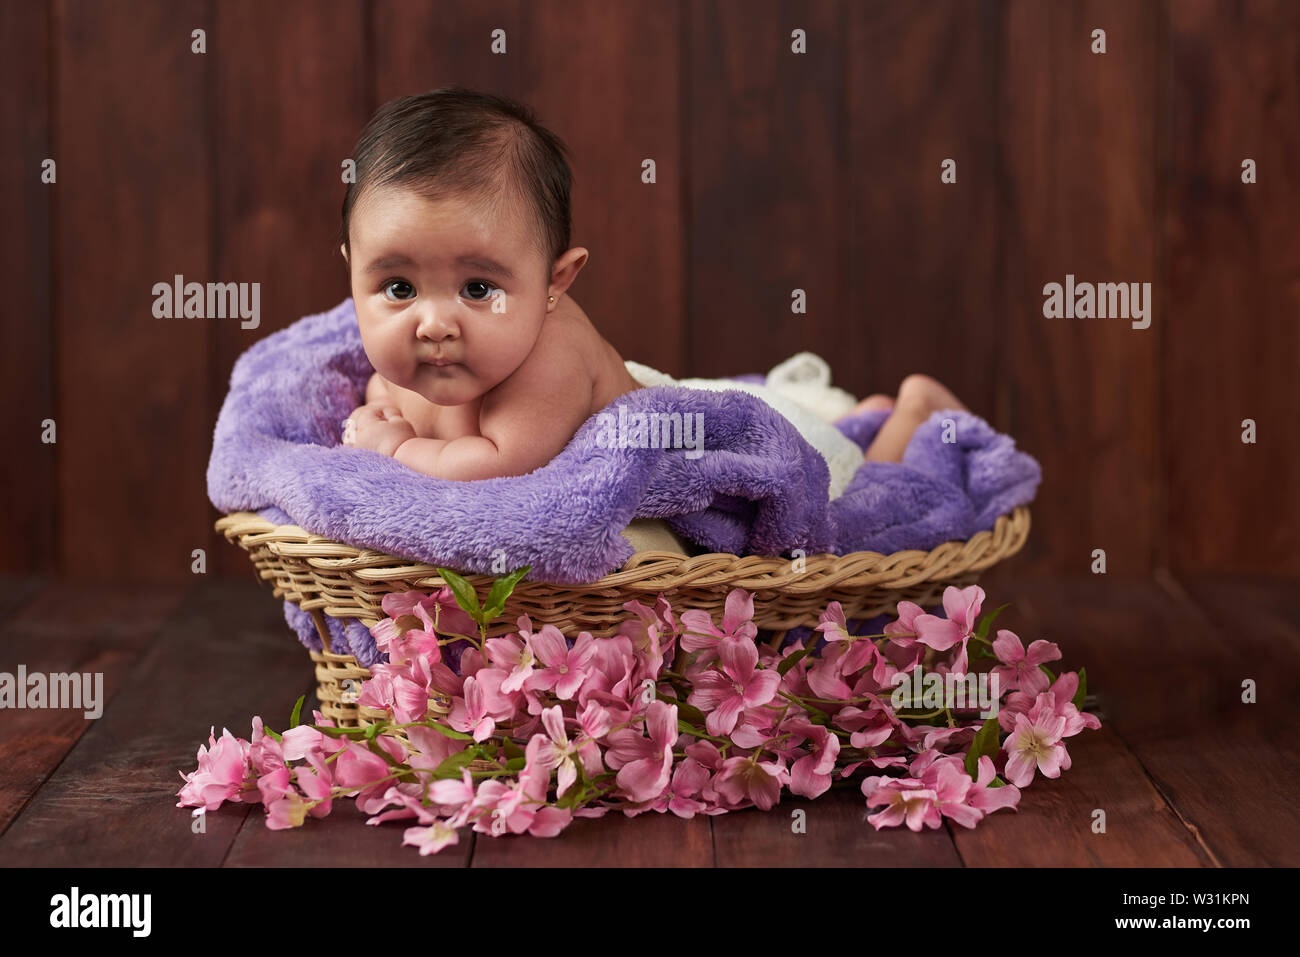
{"x": 455, "y": 141}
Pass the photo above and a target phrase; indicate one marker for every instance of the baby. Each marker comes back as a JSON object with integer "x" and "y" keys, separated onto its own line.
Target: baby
{"x": 456, "y": 236}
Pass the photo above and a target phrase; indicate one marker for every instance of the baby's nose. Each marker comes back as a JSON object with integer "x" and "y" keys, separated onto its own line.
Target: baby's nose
{"x": 435, "y": 325}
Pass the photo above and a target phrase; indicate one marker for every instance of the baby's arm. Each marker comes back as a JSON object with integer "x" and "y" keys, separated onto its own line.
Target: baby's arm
{"x": 524, "y": 423}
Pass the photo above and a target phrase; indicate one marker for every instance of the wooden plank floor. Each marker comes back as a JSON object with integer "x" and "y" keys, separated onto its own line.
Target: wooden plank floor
{"x": 1183, "y": 772}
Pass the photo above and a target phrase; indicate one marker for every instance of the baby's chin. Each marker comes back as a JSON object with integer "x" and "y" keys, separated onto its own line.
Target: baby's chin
{"x": 448, "y": 385}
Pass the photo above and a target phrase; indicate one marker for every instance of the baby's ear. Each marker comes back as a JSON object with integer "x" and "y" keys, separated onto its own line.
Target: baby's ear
{"x": 343, "y": 248}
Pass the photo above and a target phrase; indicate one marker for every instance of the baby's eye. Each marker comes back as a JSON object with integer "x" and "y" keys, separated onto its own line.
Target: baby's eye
{"x": 406, "y": 290}
{"x": 479, "y": 290}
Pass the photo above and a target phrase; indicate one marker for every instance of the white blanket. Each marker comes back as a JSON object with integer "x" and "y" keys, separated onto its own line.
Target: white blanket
{"x": 800, "y": 390}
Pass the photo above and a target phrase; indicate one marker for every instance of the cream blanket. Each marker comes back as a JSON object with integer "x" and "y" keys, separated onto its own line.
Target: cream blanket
{"x": 799, "y": 389}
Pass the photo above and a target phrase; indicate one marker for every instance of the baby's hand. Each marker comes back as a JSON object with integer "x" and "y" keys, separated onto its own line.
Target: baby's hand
{"x": 377, "y": 426}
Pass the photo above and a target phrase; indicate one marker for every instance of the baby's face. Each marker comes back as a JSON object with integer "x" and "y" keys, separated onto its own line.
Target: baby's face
{"x": 426, "y": 276}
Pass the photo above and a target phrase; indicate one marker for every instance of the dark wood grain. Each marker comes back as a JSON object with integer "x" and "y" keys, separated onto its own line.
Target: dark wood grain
{"x": 340, "y": 840}
{"x": 225, "y": 657}
{"x": 1078, "y": 147}
{"x": 609, "y": 80}
{"x": 1233, "y": 287}
{"x": 1172, "y": 689}
{"x": 70, "y": 629}
{"x": 133, "y": 210}
{"x": 27, "y": 482}
{"x": 921, "y": 254}
{"x": 294, "y": 110}
{"x": 16, "y": 590}
{"x": 647, "y": 840}
{"x": 837, "y": 835}
{"x": 765, "y": 186}
{"x": 1053, "y": 824}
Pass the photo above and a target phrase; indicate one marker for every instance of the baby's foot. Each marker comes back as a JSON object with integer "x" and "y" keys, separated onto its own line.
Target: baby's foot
{"x": 872, "y": 403}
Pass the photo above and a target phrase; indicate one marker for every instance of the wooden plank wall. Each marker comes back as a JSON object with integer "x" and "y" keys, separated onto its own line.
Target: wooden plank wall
{"x": 775, "y": 171}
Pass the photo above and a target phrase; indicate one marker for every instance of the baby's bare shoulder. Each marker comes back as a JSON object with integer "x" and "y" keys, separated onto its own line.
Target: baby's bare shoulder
{"x": 533, "y": 413}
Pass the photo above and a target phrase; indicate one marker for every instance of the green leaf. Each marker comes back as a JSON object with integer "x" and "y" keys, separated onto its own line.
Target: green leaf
{"x": 502, "y": 588}
{"x": 373, "y": 729}
{"x": 336, "y": 732}
{"x": 511, "y": 748}
{"x": 689, "y": 711}
{"x": 516, "y": 764}
{"x": 1083, "y": 689}
{"x": 451, "y": 767}
{"x": 297, "y": 711}
{"x": 266, "y": 730}
{"x": 463, "y": 592}
{"x": 985, "y": 743}
{"x": 1048, "y": 671}
{"x": 374, "y": 746}
{"x": 997, "y": 782}
{"x": 982, "y": 629}
{"x": 448, "y": 732}
{"x": 788, "y": 663}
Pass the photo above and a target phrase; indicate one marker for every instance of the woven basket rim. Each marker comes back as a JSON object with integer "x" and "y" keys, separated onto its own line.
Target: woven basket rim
{"x": 648, "y": 570}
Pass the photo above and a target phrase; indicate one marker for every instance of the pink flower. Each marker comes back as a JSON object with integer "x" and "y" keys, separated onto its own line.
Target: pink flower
{"x": 951, "y": 786}
{"x": 989, "y": 799}
{"x": 429, "y": 749}
{"x": 431, "y": 839}
{"x": 699, "y": 633}
{"x": 962, "y": 606}
{"x": 514, "y": 808}
{"x": 453, "y": 793}
{"x": 549, "y": 821}
{"x": 297, "y": 743}
{"x": 644, "y": 764}
{"x": 722, "y": 693}
{"x": 651, "y": 634}
{"x": 743, "y": 779}
{"x": 409, "y": 805}
{"x": 1019, "y": 669}
{"x": 1062, "y": 691}
{"x": 514, "y": 655}
{"x": 810, "y": 776}
{"x": 566, "y": 669}
{"x": 358, "y": 767}
{"x": 558, "y": 752}
{"x": 870, "y": 728}
{"x": 681, "y": 796}
{"x": 286, "y": 812}
{"x": 610, "y": 672}
{"x": 439, "y": 607}
{"x": 316, "y": 783}
{"x": 1036, "y": 742}
{"x": 861, "y": 652}
{"x": 907, "y": 801}
{"x": 826, "y": 675}
{"x": 223, "y": 774}
{"x": 483, "y": 705}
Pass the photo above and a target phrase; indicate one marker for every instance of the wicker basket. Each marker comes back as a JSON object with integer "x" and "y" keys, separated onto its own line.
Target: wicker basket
{"x": 325, "y": 577}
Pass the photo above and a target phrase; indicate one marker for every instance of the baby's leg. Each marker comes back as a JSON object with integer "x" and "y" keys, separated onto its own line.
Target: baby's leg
{"x": 918, "y": 397}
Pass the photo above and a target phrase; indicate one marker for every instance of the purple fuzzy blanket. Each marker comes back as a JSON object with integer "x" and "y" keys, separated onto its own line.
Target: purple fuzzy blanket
{"x": 759, "y": 488}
